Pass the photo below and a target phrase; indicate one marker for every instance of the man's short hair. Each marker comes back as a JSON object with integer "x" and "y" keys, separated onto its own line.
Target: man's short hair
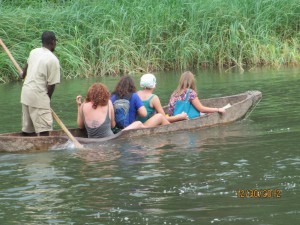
{"x": 48, "y": 37}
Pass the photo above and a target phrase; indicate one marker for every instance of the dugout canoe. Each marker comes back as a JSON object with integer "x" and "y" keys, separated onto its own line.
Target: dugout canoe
{"x": 241, "y": 105}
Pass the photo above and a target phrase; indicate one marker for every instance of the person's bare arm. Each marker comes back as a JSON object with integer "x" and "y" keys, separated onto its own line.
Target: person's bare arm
{"x": 51, "y": 90}
{"x": 112, "y": 114}
{"x": 157, "y": 105}
{"x": 178, "y": 117}
{"x": 201, "y": 108}
{"x": 80, "y": 122}
{"x": 142, "y": 112}
{"x": 24, "y": 72}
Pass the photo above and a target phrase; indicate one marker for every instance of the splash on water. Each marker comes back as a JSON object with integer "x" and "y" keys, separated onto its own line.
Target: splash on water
{"x": 68, "y": 145}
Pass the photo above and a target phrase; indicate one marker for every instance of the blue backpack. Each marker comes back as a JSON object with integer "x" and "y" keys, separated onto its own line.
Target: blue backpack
{"x": 121, "y": 107}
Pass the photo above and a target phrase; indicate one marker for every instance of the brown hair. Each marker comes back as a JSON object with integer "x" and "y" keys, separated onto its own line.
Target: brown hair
{"x": 124, "y": 87}
{"x": 98, "y": 94}
{"x": 187, "y": 80}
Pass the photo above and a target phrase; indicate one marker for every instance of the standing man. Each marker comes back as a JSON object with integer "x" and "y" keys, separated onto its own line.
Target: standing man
{"x": 42, "y": 73}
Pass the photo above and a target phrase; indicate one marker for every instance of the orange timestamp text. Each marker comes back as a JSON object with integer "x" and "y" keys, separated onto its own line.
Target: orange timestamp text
{"x": 259, "y": 193}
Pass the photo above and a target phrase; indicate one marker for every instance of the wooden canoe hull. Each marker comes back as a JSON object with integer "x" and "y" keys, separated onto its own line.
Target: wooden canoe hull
{"x": 241, "y": 104}
{"x": 18, "y": 144}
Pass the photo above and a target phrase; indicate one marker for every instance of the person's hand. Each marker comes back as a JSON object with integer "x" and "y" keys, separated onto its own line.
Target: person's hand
{"x": 221, "y": 110}
{"x": 183, "y": 116}
{"x": 21, "y": 75}
{"x": 78, "y": 100}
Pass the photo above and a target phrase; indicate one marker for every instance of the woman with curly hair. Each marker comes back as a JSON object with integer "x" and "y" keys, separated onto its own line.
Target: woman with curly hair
{"x": 96, "y": 113}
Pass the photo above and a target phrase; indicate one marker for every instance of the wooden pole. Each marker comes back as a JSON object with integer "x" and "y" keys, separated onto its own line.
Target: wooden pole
{"x": 10, "y": 56}
{"x": 76, "y": 143}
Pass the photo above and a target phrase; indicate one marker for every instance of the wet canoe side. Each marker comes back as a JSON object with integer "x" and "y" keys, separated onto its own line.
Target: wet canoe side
{"x": 241, "y": 104}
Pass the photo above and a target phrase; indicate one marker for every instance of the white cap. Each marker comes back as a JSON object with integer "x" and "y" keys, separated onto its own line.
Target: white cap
{"x": 148, "y": 81}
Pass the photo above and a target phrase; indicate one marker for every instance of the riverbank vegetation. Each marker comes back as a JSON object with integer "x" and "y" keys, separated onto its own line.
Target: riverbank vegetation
{"x": 113, "y": 37}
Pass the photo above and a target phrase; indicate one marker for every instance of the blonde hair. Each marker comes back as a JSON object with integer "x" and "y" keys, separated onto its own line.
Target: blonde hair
{"x": 187, "y": 80}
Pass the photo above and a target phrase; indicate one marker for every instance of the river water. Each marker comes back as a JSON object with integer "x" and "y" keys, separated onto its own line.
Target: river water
{"x": 195, "y": 177}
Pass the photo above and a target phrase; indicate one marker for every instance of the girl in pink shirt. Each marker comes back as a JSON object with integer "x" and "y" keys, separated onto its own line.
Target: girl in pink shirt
{"x": 187, "y": 81}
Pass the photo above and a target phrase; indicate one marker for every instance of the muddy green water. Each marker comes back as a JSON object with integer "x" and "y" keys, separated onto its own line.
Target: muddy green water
{"x": 181, "y": 178}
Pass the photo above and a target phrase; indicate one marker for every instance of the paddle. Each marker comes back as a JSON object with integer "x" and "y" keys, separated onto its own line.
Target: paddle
{"x": 76, "y": 143}
{"x": 63, "y": 127}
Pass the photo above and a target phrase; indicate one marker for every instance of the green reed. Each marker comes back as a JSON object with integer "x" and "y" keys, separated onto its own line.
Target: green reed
{"x": 113, "y": 37}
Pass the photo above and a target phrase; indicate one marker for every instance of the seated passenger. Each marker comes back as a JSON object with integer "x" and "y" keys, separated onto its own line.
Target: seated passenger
{"x": 152, "y": 102}
{"x": 128, "y": 105}
{"x": 187, "y": 83}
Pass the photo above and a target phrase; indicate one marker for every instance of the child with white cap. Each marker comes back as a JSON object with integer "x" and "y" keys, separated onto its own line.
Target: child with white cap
{"x": 151, "y": 101}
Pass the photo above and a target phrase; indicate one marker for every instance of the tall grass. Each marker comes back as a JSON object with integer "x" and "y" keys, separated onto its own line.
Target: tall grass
{"x": 112, "y": 37}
